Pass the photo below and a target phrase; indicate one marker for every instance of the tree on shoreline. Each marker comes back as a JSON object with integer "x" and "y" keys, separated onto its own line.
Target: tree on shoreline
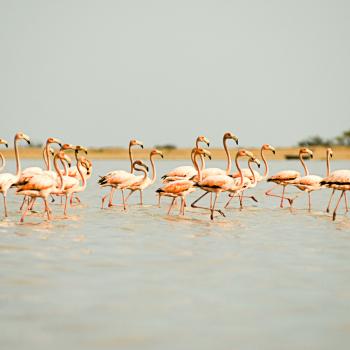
{"x": 342, "y": 140}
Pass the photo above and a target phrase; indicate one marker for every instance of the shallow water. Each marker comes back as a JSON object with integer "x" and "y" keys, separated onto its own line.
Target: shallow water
{"x": 261, "y": 278}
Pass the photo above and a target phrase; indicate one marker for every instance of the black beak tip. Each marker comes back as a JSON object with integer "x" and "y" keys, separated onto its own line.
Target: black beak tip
{"x": 311, "y": 156}
{"x": 7, "y": 146}
{"x": 209, "y": 157}
{"x": 60, "y": 144}
{"x": 274, "y": 152}
{"x": 208, "y": 144}
{"x": 236, "y": 142}
{"x": 259, "y": 166}
{"x": 141, "y": 146}
{"x": 69, "y": 164}
{"x": 86, "y": 152}
{"x": 162, "y": 156}
{"x": 28, "y": 142}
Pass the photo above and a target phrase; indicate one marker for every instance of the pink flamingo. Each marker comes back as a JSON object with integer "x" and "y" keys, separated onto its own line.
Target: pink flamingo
{"x": 217, "y": 171}
{"x": 310, "y": 183}
{"x": 258, "y": 177}
{"x": 3, "y": 161}
{"x": 114, "y": 178}
{"x": 134, "y": 182}
{"x": 248, "y": 182}
{"x": 220, "y": 183}
{"x": 181, "y": 188}
{"x": 285, "y": 177}
{"x": 42, "y": 185}
{"x": 338, "y": 180}
{"x": 330, "y": 155}
{"x": 148, "y": 181}
{"x": 185, "y": 171}
{"x": 7, "y": 179}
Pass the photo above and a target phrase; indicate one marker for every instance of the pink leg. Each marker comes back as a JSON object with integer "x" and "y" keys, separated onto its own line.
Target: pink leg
{"x": 213, "y": 207}
{"x": 335, "y": 210}
{"x": 22, "y": 205}
{"x": 26, "y": 210}
{"x": 65, "y": 206}
{"x": 124, "y": 204}
{"x": 110, "y": 204}
{"x": 141, "y": 199}
{"x": 5, "y": 205}
{"x": 171, "y": 205}
{"x": 330, "y": 201}
{"x": 346, "y": 203}
{"x": 309, "y": 196}
{"x": 193, "y": 205}
{"x": 48, "y": 211}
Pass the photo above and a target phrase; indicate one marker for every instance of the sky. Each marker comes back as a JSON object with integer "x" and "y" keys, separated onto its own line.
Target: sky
{"x": 99, "y": 73}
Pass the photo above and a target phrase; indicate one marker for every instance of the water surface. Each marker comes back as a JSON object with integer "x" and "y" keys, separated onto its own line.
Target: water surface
{"x": 261, "y": 278}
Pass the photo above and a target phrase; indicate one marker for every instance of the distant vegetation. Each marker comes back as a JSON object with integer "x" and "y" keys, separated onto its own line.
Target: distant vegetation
{"x": 168, "y": 147}
{"x": 342, "y": 140}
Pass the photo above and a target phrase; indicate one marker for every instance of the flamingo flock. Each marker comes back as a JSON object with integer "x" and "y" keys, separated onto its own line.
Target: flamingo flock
{"x": 59, "y": 179}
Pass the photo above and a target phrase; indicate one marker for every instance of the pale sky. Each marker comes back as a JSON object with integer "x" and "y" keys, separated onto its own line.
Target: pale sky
{"x": 101, "y": 72}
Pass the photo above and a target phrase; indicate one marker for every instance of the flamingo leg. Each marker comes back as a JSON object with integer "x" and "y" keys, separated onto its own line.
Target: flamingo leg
{"x": 309, "y": 199}
{"x": 26, "y": 210}
{"x": 110, "y": 204}
{"x": 346, "y": 203}
{"x": 65, "y": 206}
{"x": 5, "y": 204}
{"x": 141, "y": 199}
{"x": 124, "y": 204}
{"x": 171, "y": 205}
{"x": 129, "y": 195}
{"x": 269, "y": 193}
{"x": 335, "y": 210}
{"x": 48, "y": 211}
{"x": 193, "y": 205}
{"x": 213, "y": 206}
{"x": 22, "y": 205}
{"x": 330, "y": 200}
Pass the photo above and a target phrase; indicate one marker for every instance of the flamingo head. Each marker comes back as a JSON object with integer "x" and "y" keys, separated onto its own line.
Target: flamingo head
{"x": 22, "y": 136}
{"x": 155, "y": 151}
{"x": 53, "y": 140}
{"x": 201, "y": 151}
{"x": 203, "y": 139}
{"x": 135, "y": 143}
{"x": 81, "y": 148}
{"x": 244, "y": 153}
{"x": 67, "y": 146}
{"x": 4, "y": 142}
{"x": 254, "y": 160}
{"x": 329, "y": 152}
{"x": 305, "y": 150}
{"x": 267, "y": 147}
{"x": 61, "y": 155}
{"x": 139, "y": 163}
{"x": 229, "y": 135}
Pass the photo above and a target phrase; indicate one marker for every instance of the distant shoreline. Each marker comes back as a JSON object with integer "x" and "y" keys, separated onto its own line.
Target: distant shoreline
{"x": 339, "y": 153}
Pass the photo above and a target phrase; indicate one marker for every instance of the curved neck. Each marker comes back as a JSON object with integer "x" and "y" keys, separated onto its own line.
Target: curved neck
{"x": 303, "y": 164}
{"x": 195, "y": 163}
{"x": 65, "y": 167}
{"x": 58, "y": 172}
{"x": 47, "y": 151}
{"x": 266, "y": 172}
{"x": 144, "y": 173}
{"x": 44, "y": 156}
{"x": 18, "y": 163}
{"x": 3, "y": 162}
{"x": 252, "y": 171}
{"x": 131, "y": 160}
{"x": 239, "y": 170}
{"x": 83, "y": 180}
{"x": 328, "y": 165}
{"x": 154, "y": 173}
{"x": 228, "y": 155}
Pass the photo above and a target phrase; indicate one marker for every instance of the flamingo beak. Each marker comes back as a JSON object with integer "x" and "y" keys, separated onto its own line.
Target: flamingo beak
{"x": 6, "y": 144}
{"x": 141, "y": 146}
{"x": 311, "y": 156}
{"x": 273, "y": 151}
{"x": 147, "y": 168}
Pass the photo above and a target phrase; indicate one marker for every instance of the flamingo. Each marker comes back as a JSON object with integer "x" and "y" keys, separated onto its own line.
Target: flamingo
{"x": 134, "y": 182}
{"x": 285, "y": 177}
{"x": 86, "y": 171}
{"x": 181, "y": 188}
{"x": 42, "y": 185}
{"x": 217, "y": 171}
{"x": 248, "y": 182}
{"x": 3, "y": 161}
{"x": 148, "y": 182}
{"x": 7, "y": 179}
{"x": 330, "y": 155}
{"x": 310, "y": 183}
{"x": 338, "y": 180}
{"x": 114, "y": 178}
{"x": 220, "y": 183}
{"x": 185, "y": 171}
{"x": 258, "y": 177}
